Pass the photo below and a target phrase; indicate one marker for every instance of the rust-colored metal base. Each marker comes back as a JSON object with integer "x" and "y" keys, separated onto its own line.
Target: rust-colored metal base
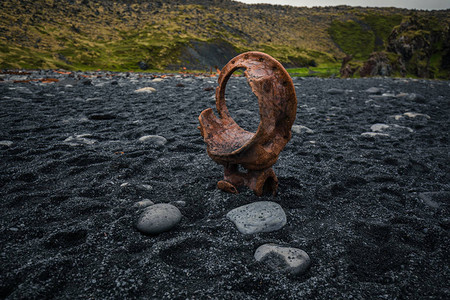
{"x": 261, "y": 182}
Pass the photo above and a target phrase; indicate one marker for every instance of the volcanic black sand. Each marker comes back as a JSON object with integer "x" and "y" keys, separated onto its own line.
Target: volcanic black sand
{"x": 371, "y": 210}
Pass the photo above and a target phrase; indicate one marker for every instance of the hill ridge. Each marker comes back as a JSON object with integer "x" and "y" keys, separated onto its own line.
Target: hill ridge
{"x": 158, "y": 35}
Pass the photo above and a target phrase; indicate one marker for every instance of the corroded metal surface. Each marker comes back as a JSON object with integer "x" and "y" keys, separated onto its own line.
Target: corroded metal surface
{"x": 230, "y": 145}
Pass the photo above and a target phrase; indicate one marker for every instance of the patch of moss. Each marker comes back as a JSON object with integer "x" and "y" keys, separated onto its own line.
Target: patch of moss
{"x": 352, "y": 38}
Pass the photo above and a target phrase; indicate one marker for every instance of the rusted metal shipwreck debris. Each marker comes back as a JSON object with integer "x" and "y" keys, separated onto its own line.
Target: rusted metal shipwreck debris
{"x": 230, "y": 145}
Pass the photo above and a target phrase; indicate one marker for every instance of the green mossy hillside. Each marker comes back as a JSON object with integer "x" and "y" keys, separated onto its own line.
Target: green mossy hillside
{"x": 159, "y": 35}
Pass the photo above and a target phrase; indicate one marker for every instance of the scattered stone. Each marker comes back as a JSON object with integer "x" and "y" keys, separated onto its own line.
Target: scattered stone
{"x": 401, "y": 95}
{"x": 414, "y": 115}
{"x": 6, "y": 143}
{"x": 180, "y": 85}
{"x": 379, "y": 127}
{"x": 262, "y": 216}
{"x": 180, "y": 203}
{"x": 145, "y": 90}
{"x": 94, "y": 99}
{"x": 374, "y": 134}
{"x": 124, "y": 184}
{"x": 157, "y": 80}
{"x": 285, "y": 259}
{"x": 143, "y": 203}
{"x": 80, "y": 139}
{"x": 300, "y": 129}
{"x": 158, "y": 218}
{"x": 374, "y": 91}
{"x": 154, "y": 139}
{"x": 208, "y": 89}
{"x": 86, "y": 82}
{"x": 147, "y": 187}
{"x": 387, "y": 95}
{"x": 334, "y": 91}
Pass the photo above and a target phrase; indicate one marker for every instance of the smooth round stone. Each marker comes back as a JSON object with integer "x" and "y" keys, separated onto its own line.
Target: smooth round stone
{"x": 154, "y": 139}
{"x": 374, "y": 134}
{"x": 299, "y": 129}
{"x": 414, "y": 115}
{"x": 143, "y": 203}
{"x": 285, "y": 259}
{"x": 262, "y": 216}
{"x": 379, "y": 127}
{"x": 334, "y": 91}
{"x": 145, "y": 90}
{"x": 6, "y": 143}
{"x": 374, "y": 90}
{"x": 158, "y": 218}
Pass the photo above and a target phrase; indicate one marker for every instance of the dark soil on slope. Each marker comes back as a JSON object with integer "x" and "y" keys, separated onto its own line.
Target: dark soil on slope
{"x": 371, "y": 212}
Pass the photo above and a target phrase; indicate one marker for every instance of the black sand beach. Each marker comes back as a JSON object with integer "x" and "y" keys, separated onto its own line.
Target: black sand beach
{"x": 370, "y": 205}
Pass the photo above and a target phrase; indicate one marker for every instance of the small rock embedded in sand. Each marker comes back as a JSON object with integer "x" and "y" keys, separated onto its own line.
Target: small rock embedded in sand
{"x": 262, "y": 216}
{"x": 154, "y": 139}
{"x": 334, "y": 91}
{"x": 286, "y": 259}
{"x": 415, "y": 115}
{"x": 145, "y": 90}
{"x": 6, "y": 143}
{"x": 299, "y": 129}
{"x": 416, "y": 98}
{"x": 379, "y": 127}
{"x": 374, "y": 134}
{"x": 143, "y": 203}
{"x": 79, "y": 139}
{"x": 158, "y": 218}
{"x": 374, "y": 91}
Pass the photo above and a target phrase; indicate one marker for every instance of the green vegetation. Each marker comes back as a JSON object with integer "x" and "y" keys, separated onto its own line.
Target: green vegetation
{"x": 352, "y": 38}
{"x": 118, "y": 34}
{"x": 363, "y": 35}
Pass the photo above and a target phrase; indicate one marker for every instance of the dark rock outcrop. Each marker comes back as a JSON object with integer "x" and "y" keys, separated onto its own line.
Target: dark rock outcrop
{"x": 378, "y": 64}
{"x": 348, "y": 69}
{"x": 417, "y": 41}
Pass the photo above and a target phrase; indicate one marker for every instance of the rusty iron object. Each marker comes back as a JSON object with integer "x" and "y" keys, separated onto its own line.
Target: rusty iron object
{"x": 230, "y": 145}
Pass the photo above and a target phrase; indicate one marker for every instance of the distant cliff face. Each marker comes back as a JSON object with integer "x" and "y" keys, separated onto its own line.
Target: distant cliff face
{"x": 196, "y": 34}
{"x": 422, "y": 46}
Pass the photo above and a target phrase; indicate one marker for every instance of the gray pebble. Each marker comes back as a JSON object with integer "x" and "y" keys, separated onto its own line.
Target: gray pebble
{"x": 285, "y": 259}
{"x": 79, "y": 139}
{"x": 374, "y": 90}
{"x": 335, "y": 91}
{"x": 416, "y": 98}
{"x": 374, "y": 134}
{"x": 158, "y": 218}
{"x": 154, "y": 139}
{"x": 299, "y": 129}
{"x": 145, "y": 90}
{"x": 379, "y": 127}
{"x": 143, "y": 203}
{"x": 262, "y": 216}
{"x": 6, "y": 143}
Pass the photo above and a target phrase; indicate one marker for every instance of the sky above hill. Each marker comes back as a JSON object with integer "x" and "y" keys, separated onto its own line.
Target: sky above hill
{"x": 410, "y": 4}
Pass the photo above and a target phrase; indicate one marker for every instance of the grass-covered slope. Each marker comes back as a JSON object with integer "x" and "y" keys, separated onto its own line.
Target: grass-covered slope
{"x": 158, "y": 35}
